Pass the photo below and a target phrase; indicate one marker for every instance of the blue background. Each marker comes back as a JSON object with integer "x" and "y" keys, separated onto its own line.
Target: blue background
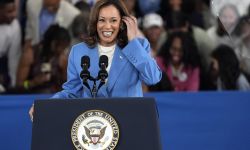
{"x": 188, "y": 121}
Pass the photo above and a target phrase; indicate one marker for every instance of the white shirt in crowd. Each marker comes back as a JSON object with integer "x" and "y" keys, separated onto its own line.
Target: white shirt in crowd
{"x": 10, "y": 45}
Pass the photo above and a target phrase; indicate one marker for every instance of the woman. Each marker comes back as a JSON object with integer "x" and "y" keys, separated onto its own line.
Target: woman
{"x": 243, "y": 44}
{"x": 112, "y": 32}
{"x": 179, "y": 59}
{"x": 221, "y": 33}
{"x": 42, "y": 69}
{"x": 225, "y": 70}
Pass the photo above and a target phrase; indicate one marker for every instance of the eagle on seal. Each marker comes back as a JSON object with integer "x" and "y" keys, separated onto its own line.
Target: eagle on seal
{"x": 95, "y": 134}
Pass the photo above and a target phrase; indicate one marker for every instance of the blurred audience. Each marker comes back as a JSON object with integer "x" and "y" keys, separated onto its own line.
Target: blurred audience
{"x": 203, "y": 41}
{"x": 148, "y": 6}
{"x": 83, "y": 7}
{"x": 182, "y": 34}
{"x": 171, "y": 8}
{"x": 243, "y": 43}
{"x": 79, "y": 27}
{"x": 154, "y": 31}
{"x": 226, "y": 23}
{"x": 179, "y": 59}
{"x": 42, "y": 69}
{"x": 10, "y": 44}
{"x": 225, "y": 70}
{"x": 43, "y": 13}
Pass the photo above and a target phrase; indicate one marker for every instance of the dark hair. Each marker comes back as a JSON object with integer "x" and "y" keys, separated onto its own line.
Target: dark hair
{"x": 4, "y": 2}
{"x": 245, "y": 20}
{"x": 229, "y": 68}
{"x": 191, "y": 57}
{"x": 178, "y": 20}
{"x": 83, "y": 6}
{"x": 92, "y": 38}
{"x": 53, "y": 33}
{"x": 79, "y": 26}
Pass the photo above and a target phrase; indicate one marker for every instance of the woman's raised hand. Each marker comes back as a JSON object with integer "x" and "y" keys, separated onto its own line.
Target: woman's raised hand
{"x": 132, "y": 27}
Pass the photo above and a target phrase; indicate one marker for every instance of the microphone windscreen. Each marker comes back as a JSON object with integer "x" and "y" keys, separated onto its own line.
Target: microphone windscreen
{"x": 85, "y": 60}
{"x": 103, "y": 60}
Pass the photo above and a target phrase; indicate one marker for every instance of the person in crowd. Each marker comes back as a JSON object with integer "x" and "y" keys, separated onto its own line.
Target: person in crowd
{"x": 112, "y": 32}
{"x": 225, "y": 70}
{"x": 79, "y": 28}
{"x": 43, "y": 13}
{"x": 203, "y": 41}
{"x": 10, "y": 44}
{"x": 171, "y": 8}
{"x": 248, "y": 11}
{"x": 243, "y": 45}
{"x": 148, "y": 6}
{"x": 154, "y": 31}
{"x": 179, "y": 59}
{"x": 83, "y": 7}
{"x": 80, "y": 23}
{"x": 42, "y": 69}
{"x": 204, "y": 8}
{"x": 226, "y": 22}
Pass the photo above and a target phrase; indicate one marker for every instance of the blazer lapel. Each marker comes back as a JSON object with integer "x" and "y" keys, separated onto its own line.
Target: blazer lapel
{"x": 118, "y": 62}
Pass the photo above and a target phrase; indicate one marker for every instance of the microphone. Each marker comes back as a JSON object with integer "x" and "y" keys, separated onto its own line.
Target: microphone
{"x": 85, "y": 63}
{"x": 85, "y": 75}
{"x": 103, "y": 64}
{"x": 102, "y": 74}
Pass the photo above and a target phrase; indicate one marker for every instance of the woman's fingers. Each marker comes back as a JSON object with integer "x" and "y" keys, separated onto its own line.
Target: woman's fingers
{"x": 31, "y": 112}
{"x": 132, "y": 28}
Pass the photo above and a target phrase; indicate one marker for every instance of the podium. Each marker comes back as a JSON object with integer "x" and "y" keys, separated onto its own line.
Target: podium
{"x": 137, "y": 119}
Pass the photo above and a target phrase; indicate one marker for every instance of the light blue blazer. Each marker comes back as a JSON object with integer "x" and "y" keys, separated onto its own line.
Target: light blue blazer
{"x": 130, "y": 66}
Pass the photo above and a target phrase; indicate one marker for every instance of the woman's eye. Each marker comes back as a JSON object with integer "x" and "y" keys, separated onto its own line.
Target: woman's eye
{"x": 101, "y": 20}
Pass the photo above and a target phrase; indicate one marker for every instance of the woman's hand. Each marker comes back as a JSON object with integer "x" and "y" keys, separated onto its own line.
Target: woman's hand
{"x": 31, "y": 112}
{"x": 132, "y": 27}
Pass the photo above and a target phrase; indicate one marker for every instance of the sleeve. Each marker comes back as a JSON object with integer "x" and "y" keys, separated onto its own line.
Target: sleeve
{"x": 73, "y": 87}
{"x": 14, "y": 52}
{"x": 138, "y": 53}
{"x": 242, "y": 83}
{"x": 28, "y": 27}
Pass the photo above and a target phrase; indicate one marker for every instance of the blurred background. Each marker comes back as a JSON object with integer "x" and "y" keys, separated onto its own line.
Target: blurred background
{"x": 200, "y": 45}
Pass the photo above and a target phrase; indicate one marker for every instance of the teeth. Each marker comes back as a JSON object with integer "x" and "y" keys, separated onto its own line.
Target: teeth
{"x": 107, "y": 34}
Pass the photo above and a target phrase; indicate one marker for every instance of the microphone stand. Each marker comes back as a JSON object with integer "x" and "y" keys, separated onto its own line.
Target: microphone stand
{"x": 94, "y": 89}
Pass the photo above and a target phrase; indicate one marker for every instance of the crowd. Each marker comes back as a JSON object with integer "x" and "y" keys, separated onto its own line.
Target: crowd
{"x": 197, "y": 48}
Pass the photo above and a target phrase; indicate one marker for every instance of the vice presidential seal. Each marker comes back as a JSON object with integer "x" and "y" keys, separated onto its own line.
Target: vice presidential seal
{"x": 95, "y": 130}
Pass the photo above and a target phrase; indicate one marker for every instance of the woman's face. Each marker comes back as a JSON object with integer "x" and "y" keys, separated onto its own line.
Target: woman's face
{"x": 153, "y": 33}
{"x": 108, "y": 24}
{"x": 51, "y": 5}
{"x": 176, "y": 51}
{"x": 175, "y": 4}
{"x": 228, "y": 18}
